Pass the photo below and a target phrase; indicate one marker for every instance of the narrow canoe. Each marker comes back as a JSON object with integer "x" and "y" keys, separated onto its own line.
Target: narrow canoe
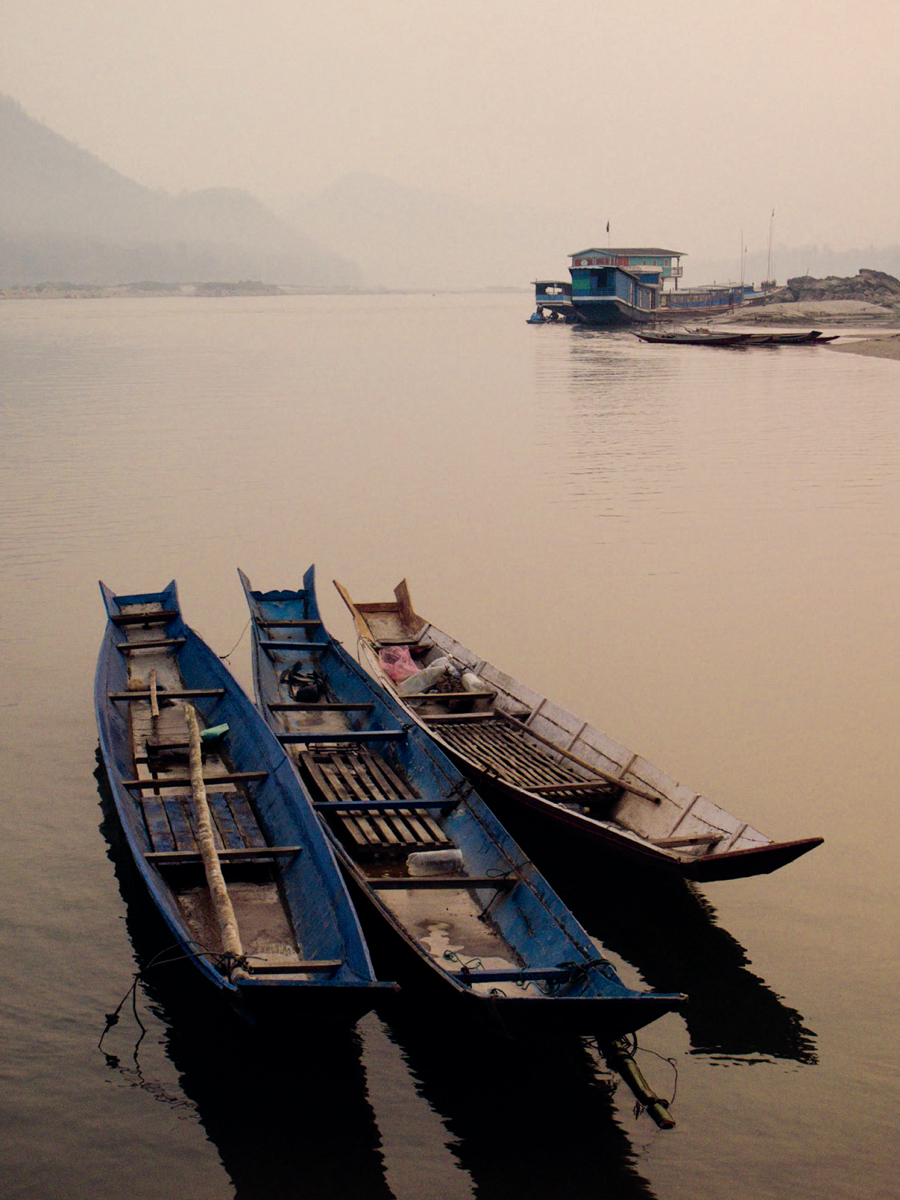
{"x": 511, "y": 740}
{"x": 696, "y": 339}
{"x": 301, "y": 946}
{"x": 476, "y": 919}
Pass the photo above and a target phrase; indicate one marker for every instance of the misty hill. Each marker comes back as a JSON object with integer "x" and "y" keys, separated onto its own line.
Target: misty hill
{"x": 406, "y": 237}
{"x": 65, "y": 215}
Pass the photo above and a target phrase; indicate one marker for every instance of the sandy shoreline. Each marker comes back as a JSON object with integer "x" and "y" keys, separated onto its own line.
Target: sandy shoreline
{"x": 886, "y": 346}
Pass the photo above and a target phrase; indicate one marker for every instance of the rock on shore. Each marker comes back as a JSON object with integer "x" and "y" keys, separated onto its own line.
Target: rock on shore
{"x": 867, "y": 286}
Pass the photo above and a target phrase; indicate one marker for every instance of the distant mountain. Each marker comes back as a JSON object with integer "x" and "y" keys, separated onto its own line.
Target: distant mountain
{"x": 65, "y": 215}
{"x": 404, "y": 237}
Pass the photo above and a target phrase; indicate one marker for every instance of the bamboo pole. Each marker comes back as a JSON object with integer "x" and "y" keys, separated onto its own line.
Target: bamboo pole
{"x": 619, "y": 1057}
{"x": 582, "y": 762}
{"x": 154, "y": 702}
{"x": 228, "y": 926}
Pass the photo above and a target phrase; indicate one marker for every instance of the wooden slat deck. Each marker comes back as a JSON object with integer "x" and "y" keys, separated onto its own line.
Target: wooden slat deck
{"x": 170, "y": 822}
{"x": 499, "y": 748}
{"x": 356, "y": 776}
{"x": 161, "y": 788}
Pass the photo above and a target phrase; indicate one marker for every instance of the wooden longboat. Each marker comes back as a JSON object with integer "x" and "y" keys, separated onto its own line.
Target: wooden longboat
{"x": 483, "y": 926}
{"x": 697, "y": 339}
{"x": 219, "y": 827}
{"x": 510, "y": 740}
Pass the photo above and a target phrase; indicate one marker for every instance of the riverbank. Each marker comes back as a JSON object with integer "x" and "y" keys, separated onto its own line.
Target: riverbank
{"x": 816, "y": 312}
{"x": 887, "y": 346}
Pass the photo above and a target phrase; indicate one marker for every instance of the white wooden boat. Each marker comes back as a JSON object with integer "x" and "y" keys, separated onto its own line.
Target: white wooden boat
{"x": 518, "y": 745}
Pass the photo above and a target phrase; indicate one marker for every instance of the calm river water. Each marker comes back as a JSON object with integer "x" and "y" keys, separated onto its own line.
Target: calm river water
{"x": 695, "y": 549}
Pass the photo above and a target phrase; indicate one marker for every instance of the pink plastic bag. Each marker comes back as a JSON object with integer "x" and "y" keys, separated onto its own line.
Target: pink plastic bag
{"x": 397, "y": 663}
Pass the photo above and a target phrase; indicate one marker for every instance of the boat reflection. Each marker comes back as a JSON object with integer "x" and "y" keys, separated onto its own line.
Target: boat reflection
{"x": 667, "y": 929}
{"x": 531, "y": 1121}
{"x": 290, "y": 1115}
{"x": 286, "y": 1110}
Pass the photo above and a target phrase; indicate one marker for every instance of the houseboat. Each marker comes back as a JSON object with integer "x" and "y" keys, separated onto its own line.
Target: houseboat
{"x": 623, "y": 286}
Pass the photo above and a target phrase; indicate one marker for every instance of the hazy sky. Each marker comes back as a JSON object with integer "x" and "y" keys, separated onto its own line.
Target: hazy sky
{"x": 680, "y": 121}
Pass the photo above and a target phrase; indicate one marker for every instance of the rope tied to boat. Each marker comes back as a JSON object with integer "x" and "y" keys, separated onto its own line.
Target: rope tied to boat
{"x": 112, "y": 1018}
{"x": 226, "y": 657}
{"x": 229, "y": 962}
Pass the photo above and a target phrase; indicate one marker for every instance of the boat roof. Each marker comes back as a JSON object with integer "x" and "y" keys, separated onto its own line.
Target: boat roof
{"x": 609, "y": 251}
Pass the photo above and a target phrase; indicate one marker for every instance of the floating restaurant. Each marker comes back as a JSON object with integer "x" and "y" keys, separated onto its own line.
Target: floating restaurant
{"x": 621, "y": 286}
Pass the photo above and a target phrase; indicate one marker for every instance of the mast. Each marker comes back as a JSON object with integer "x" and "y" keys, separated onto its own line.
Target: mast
{"x": 769, "y": 261}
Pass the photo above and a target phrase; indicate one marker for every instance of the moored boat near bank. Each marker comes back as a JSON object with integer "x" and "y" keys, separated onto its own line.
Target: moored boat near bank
{"x": 218, "y": 825}
{"x": 518, "y": 744}
{"x": 479, "y": 924}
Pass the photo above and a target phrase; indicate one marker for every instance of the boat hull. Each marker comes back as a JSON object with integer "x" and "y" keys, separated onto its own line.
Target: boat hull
{"x": 489, "y": 935}
{"x": 522, "y": 749}
{"x": 611, "y": 312}
{"x": 292, "y": 904}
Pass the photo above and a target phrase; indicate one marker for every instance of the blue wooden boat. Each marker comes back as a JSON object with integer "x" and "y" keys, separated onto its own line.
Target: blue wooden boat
{"x": 422, "y": 847}
{"x": 524, "y": 750}
{"x": 191, "y": 766}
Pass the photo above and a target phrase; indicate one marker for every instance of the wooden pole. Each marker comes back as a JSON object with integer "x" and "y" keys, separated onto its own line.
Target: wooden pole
{"x": 154, "y": 702}
{"x": 228, "y": 926}
{"x": 619, "y": 1057}
{"x": 582, "y": 762}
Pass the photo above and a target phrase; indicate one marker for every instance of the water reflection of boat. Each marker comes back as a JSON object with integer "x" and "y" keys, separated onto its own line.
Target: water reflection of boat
{"x": 520, "y": 747}
{"x": 668, "y": 931}
{"x": 533, "y": 1123}
{"x": 286, "y": 1111}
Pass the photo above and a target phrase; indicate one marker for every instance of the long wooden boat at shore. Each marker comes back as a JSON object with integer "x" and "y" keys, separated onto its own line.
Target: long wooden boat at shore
{"x": 517, "y": 744}
{"x": 221, "y": 832}
{"x": 477, "y": 923}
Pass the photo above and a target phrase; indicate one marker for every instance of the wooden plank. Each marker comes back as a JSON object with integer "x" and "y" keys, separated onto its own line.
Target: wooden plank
{"x": 299, "y": 623}
{"x": 157, "y": 823}
{"x": 246, "y": 853}
{"x": 245, "y": 819}
{"x": 580, "y": 789}
{"x": 162, "y": 616}
{"x": 342, "y": 735}
{"x": 180, "y": 823}
{"x": 154, "y": 644}
{"x": 702, "y": 839}
{"x": 184, "y": 780}
{"x": 224, "y": 819}
{"x": 383, "y": 805}
{"x": 427, "y": 882}
{"x": 442, "y": 696}
{"x": 304, "y": 966}
{"x": 266, "y": 644}
{"x": 166, "y": 695}
{"x": 454, "y": 718}
{"x": 316, "y": 706}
